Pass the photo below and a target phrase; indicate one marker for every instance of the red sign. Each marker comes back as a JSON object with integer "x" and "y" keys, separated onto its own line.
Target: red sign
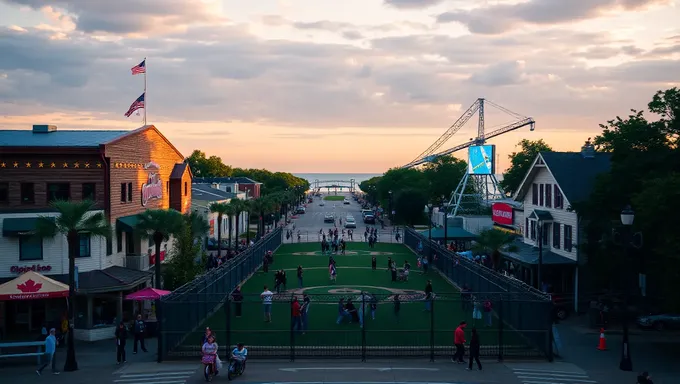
{"x": 152, "y": 258}
{"x": 502, "y": 213}
{"x": 153, "y": 188}
{"x": 35, "y": 268}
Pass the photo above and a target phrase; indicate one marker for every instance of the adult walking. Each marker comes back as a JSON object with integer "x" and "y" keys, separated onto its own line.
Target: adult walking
{"x": 237, "y": 298}
{"x": 459, "y": 342}
{"x": 474, "y": 350}
{"x": 50, "y": 350}
{"x": 300, "y": 273}
{"x": 139, "y": 329}
{"x": 121, "y": 339}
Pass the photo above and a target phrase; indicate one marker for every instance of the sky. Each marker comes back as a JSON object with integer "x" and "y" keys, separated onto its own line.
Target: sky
{"x": 335, "y": 86}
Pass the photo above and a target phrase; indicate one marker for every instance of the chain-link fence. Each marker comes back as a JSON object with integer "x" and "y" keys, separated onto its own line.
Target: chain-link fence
{"x": 358, "y": 235}
{"x": 530, "y": 313}
{"x": 186, "y": 308}
{"x": 367, "y": 325}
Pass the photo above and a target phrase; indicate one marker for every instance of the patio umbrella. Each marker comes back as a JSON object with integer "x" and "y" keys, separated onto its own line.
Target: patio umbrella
{"x": 32, "y": 285}
{"x": 147, "y": 294}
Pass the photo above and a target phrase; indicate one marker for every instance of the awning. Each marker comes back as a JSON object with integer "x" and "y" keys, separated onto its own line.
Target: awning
{"x": 452, "y": 233}
{"x": 32, "y": 285}
{"x": 147, "y": 294}
{"x": 127, "y": 223}
{"x": 17, "y": 226}
{"x": 528, "y": 254}
{"x": 541, "y": 215}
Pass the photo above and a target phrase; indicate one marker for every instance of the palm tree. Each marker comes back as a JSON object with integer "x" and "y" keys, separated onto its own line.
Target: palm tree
{"x": 257, "y": 206}
{"x": 247, "y": 208}
{"x": 159, "y": 225}
{"x": 238, "y": 207}
{"x": 221, "y": 209}
{"x": 492, "y": 241}
{"x": 75, "y": 219}
{"x": 198, "y": 225}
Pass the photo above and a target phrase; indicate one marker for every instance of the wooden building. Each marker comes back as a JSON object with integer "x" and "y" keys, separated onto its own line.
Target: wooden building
{"x": 124, "y": 172}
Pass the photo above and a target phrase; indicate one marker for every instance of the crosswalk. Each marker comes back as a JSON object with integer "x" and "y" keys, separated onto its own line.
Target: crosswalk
{"x": 162, "y": 377}
{"x": 546, "y": 375}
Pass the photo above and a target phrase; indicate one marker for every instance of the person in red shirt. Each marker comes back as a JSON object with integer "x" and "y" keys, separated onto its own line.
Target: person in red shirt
{"x": 296, "y": 314}
{"x": 459, "y": 342}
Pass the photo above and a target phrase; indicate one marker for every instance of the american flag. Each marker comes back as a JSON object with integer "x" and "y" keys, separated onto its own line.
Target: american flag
{"x": 138, "y": 104}
{"x": 139, "y": 68}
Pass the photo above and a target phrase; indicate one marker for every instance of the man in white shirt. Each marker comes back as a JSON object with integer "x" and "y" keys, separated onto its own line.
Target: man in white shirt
{"x": 267, "y": 296}
{"x": 50, "y": 348}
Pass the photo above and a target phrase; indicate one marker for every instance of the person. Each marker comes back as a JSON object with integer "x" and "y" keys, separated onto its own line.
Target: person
{"x": 487, "y": 313}
{"x": 237, "y": 298}
{"x": 209, "y": 350}
{"x": 139, "y": 329}
{"x": 296, "y": 314}
{"x": 332, "y": 270}
{"x": 429, "y": 295}
{"x": 50, "y": 349}
{"x": 121, "y": 339}
{"x": 373, "y": 263}
{"x": 397, "y": 307}
{"x": 305, "y": 311}
{"x": 206, "y": 335}
{"x": 266, "y": 296}
{"x": 459, "y": 342}
{"x": 474, "y": 350}
{"x": 300, "y": 272}
{"x": 343, "y": 313}
{"x": 352, "y": 310}
{"x": 644, "y": 378}
{"x": 239, "y": 355}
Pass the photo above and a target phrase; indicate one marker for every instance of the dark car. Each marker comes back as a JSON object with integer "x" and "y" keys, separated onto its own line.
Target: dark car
{"x": 660, "y": 322}
{"x": 369, "y": 219}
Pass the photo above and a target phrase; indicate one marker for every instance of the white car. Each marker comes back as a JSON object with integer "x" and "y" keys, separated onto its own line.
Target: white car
{"x": 321, "y": 204}
{"x": 350, "y": 223}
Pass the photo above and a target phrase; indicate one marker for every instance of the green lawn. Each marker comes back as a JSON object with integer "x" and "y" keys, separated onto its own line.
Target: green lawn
{"x": 334, "y": 198}
{"x": 354, "y": 273}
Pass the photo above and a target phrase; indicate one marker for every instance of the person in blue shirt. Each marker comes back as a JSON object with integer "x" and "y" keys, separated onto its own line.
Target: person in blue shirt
{"x": 50, "y": 349}
{"x": 239, "y": 355}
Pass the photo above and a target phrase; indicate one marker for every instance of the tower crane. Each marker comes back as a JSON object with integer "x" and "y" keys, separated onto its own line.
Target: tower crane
{"x": 481, "y": 183}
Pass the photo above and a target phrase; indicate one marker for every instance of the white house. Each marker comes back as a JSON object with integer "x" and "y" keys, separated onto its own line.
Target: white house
{"x": 555, "y": 181}
{"x": 203, "y": 195}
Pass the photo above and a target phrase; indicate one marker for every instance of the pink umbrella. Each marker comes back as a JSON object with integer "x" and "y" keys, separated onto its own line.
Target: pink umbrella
{"x": 147, "y": 294}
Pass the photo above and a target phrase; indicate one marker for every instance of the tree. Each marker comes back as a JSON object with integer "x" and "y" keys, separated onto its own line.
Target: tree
{"x": 202, "y": 166}
{"x": 197, "y": 224}
{"x": 237, "y": 207}
{"x": 667, "y": 105}
{"x": 74, "y": 219}
{"x": 187, "y": 260}
{"x": 409, "y": 205}
{"x": 443, "y": 176}
{"x": 248, "y": 209}
{"x": 221, "y": 209}
{"x": 159, "y": 225}
{"x": 520, "y": 163}
{"x": 491, "y": 241}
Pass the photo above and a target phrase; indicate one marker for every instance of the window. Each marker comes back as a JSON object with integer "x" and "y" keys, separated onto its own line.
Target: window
{"x": 27, "y": 193}
{"x": 89, "y": 191}
{"x": 559, "y": 200}
{"x": 548, "y": 195}
{"x": 57, "y": 191}
{"x": 123, "y": 192}
{"x": 545, "y": 232}
{"x": 30, "y": 248}
{"x": 129, "y": 193}
{"x": 526, "y": 228}
{"x": 534, "y": 194}
{"x": 567, "y": 238}
{"x": 186, "y": 189}
{"x": 540, "y": 195}
{"x": 556, "y": 235}
{"x": 119, "y": 241}
{"x": 533, "y": 229}
{"x": 109, "y": 246}
{"x": 84, "y": 249}
{"x": 4, "y": 192}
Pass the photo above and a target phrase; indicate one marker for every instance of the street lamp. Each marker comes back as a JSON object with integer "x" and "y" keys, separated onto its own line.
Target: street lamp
{"x": 628, "y": 239}
{"x": 428, "y": 211}
{"x": 445, "y": 205}
{"x": 390, "y": 204}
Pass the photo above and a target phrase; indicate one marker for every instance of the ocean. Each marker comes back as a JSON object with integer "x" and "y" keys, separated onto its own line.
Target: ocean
{"x": 358, "y": 177}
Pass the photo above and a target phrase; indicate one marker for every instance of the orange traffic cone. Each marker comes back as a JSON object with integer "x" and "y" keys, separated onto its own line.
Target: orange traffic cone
{"x": 603, "y": 342}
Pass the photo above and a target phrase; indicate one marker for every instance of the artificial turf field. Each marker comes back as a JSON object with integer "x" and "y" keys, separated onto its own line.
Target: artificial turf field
{"x": 354, "y": 274}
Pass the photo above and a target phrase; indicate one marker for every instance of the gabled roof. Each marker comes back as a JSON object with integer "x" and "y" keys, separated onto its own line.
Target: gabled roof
{"x": 573, "y": 173}
{"x": 205, "y": 192}
{"x": 178, "y": 171}
{"x": 225, "y": 180}
{"x": 60, "y": 138}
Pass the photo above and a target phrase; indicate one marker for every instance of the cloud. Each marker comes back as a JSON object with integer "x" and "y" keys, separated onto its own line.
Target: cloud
{"x": 498, "y": 18}
{"x": 412, "y": 4}
{"x": 130, "y": 16}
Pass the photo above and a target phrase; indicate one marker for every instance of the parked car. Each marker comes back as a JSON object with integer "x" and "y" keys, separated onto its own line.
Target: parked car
{"x": 300, "y": 210}
{"x": 369, "y": 219}
{"x": 660, "y": 322}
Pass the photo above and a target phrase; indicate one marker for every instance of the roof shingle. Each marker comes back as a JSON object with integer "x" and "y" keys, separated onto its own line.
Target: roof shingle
{"x": 575, "y": 174}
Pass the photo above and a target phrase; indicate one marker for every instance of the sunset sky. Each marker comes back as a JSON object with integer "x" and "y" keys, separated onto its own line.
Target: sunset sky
{"x": 334, "y": 86}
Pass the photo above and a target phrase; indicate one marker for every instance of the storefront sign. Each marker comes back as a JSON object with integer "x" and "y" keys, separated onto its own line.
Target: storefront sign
{"x": 19, "y": 269}
{"x": 502, "y": 213}
{"x": 153, "y": 188}
{"x": 152, "y": 258}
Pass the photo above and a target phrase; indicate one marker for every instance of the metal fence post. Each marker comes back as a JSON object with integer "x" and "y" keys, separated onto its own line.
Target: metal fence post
{"x": 432, "y": 330}
{"x": 500, "y": 329}
{"x": 159, "y": 330}
{"x": 363, "y": 328}
{"x": 227, "y": 311}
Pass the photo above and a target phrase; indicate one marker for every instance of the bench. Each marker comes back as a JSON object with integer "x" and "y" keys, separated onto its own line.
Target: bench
{"x": 39, "y": 345}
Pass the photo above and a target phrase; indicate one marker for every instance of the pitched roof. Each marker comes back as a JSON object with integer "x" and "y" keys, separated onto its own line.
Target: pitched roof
{"x": 575, "y": 174}
{"x": 225, "y": 180}
{"x": 207, "y": 193}
{"x": 60, "y": 138}
{"x": 110, "y": 279}
{"x": 178, "y": 171}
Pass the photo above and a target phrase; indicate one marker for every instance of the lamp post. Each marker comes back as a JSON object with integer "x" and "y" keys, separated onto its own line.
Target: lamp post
{"x": 539, "y": 267}
{"x": 445, "y": 204}
{"x": 428, "y": 211}
{"x": 627, "y": 237}
{"x": 390, "y": 206}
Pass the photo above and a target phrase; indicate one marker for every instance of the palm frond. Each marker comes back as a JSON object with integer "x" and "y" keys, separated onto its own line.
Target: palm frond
{"x": 96, "y": 225}
{"x": 198, "y": 225}
{"x": 166, "y": 222}
{"x": 73, "y": 216}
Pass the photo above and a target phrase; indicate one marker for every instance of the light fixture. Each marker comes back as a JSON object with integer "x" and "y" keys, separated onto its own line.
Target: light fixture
{"x": 627, "y": 216}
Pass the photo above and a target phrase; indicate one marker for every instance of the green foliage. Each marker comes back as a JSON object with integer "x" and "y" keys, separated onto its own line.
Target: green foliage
{"x": 491, "y": 241}
{"x": 520, "y": 163}
{"x": 186, "y": 260}
{"x": 409, "y": 205}
{"x": 74, "y": 217}
{"x": 202, "y": 166}
{"x": 334, "y": 198}
{"x": 159, "y": 224}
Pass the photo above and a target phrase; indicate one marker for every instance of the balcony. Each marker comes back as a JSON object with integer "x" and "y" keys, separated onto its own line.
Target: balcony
{"x": 138, "y": 262}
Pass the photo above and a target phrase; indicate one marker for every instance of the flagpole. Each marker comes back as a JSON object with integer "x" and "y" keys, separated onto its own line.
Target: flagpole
{"x": 146, "y": 100}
